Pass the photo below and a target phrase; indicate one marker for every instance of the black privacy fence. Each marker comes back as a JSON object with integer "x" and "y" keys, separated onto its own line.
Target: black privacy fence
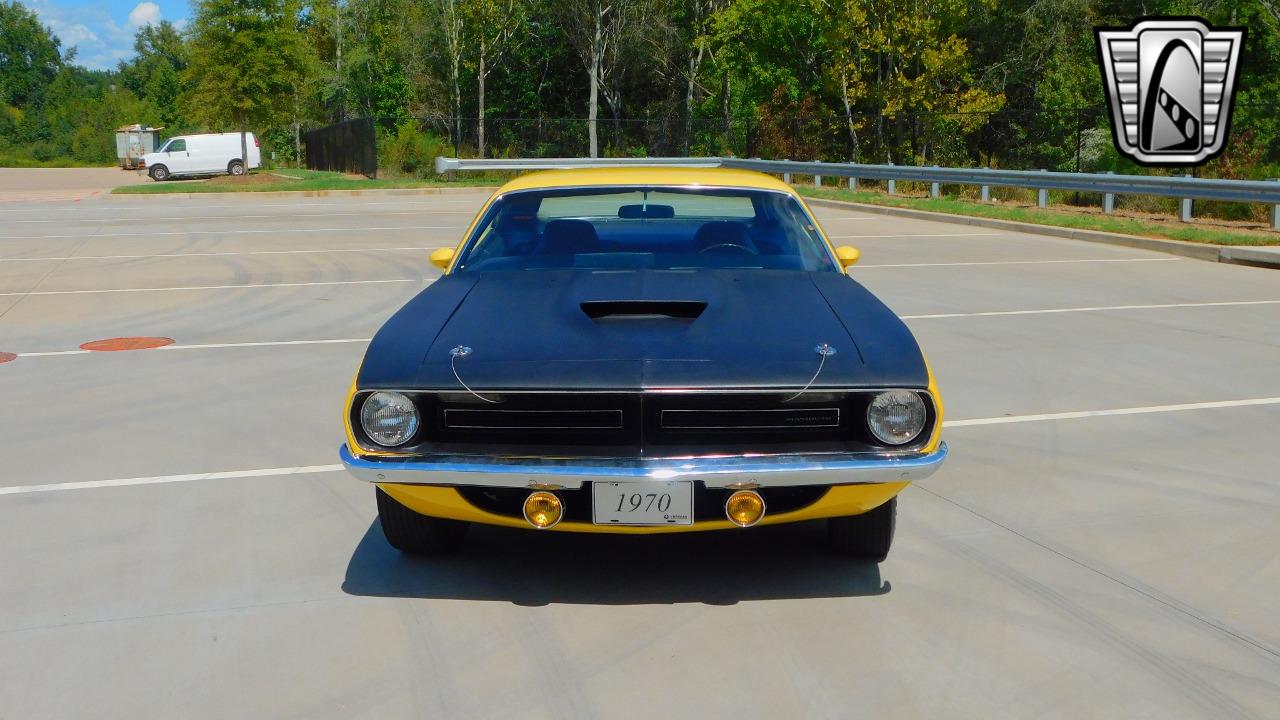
{"x": 349, "y": 147}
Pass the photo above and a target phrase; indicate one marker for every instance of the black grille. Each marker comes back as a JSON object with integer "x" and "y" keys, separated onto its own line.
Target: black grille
{"x": 708, "y": 503}
{"x": 682, "y": 423}
{"x": 461, "y": 419}
{"x": 645, "y": 424}
{"x": 749, "y": 419}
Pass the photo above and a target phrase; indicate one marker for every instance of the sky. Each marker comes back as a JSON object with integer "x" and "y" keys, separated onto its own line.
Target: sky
{"x": 102, "y": 31}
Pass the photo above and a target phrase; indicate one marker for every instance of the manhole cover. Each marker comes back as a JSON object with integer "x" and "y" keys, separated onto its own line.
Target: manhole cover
{"x": 126, "y": 343}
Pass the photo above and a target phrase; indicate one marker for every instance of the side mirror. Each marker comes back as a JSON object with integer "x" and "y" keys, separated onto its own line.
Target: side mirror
{"x": 848, "y": 256}
{"x": 441, "y": 257}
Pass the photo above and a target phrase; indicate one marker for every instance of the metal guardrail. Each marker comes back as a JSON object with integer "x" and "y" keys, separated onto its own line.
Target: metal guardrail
{"x": 1187, "y": 189}
{"x": 444, "y": 164}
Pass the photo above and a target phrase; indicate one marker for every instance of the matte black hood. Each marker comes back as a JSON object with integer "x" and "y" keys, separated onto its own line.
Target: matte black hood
{"x": 636, "y": 329}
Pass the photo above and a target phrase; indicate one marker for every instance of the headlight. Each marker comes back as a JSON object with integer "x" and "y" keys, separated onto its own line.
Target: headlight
{"x": 896, "y": 417}
{"x": 389, "y": 418}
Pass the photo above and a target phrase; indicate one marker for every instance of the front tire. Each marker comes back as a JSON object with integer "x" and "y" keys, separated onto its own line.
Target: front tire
{"x": 417, "y": 534}
{"x": 867, "y": 536}
{"x": 159, "y": 173}
{"x": 236, "y": 168}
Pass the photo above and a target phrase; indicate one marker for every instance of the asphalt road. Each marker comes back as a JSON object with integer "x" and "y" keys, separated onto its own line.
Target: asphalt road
{"x": 175, "y": 541}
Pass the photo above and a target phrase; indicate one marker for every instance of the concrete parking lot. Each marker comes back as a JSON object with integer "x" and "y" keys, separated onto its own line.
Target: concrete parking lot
{"x": 176, "y": 540}
{"x": 25, "y": 185}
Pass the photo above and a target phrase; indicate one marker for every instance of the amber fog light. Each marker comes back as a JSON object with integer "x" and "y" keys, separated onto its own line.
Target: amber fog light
{"x": 543, "y": 509}
{"x": 744, "y": 508}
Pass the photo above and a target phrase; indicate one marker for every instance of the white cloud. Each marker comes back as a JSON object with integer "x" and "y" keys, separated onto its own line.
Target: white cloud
{"x": 145, "y": 13}
{"x": 76, "y": 34}
{"x": 100, "y": 36}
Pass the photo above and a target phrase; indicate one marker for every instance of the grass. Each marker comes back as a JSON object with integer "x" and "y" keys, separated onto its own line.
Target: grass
{"x": 300, "y": 181}
{"x": 22, "y": 161}
{"x": 1059, "y": 217}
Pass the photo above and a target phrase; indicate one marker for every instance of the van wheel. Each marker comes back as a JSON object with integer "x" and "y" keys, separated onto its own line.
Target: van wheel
{"x": 159, "y": 173}
{"x": 236, "y": 167}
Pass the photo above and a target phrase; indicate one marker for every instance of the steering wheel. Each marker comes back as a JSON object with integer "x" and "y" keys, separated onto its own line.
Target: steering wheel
{"x": 734, "y": 246}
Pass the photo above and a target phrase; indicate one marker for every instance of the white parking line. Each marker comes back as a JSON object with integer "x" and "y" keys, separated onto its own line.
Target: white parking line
{"x": 265, "y": 343}
{"x": 160, "y": 479}
{"x": 279, "y": 216}
{"x": 278, "y": 231}
{"x": 1052, "y": 311}
{"x": 221, "y": 254}
{"x": 206, "y": 346}
{"x": 214, "y": 287}
{"x": 319, "y": 201}
{"x": 914, "y": 235}
{"x": 1019, "y": 262}
{"x": 1108, "y": 413}
{"x": 314, "y": 469}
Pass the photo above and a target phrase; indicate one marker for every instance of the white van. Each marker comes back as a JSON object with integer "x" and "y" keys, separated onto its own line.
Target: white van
{"x": 210, "y": 154}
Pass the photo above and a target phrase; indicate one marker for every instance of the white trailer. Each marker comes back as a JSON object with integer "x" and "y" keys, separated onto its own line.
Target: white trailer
{"x": 134, "y": 141}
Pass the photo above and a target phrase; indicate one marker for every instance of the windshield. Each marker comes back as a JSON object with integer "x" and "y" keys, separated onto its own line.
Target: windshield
{"x": 645, "y": 227}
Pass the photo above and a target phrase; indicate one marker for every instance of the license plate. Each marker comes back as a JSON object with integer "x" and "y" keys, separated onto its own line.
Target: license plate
{"x": 645, "y": 502}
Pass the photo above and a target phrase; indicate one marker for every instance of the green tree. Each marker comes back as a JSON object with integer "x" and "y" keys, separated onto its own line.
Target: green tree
{"x": 82, "y": 110}
{"x": 849, "y": 37}
{"x": 603, "y": 34}
{"x": 538, "y": 80}
{"x": 694, "y": 16}
{"x": 770, "y": 44}
{"x": 154, "y": 74}
{"x": 495, "y": 27}
{"x": 774, "y": 56}
{"x": 377, "y": 57}
{"x": 246, "y": 59}
{"x": 29, "y": 56}
{"x": 448, "y": 18}
{"x": 325, "y": 25}
{"x": 923, "y": 66}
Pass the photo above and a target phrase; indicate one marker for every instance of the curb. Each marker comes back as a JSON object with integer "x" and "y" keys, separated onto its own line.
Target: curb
{"x": 306, "y": 193}
{"x": 1234, "y": 254}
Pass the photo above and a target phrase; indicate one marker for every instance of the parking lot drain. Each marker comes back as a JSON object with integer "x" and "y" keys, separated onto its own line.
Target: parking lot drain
{"x": 7, "y": 357}
{"x": 127, "y": 343}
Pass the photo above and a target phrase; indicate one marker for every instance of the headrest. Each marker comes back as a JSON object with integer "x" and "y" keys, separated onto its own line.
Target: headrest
{"x": 569, "y": 237}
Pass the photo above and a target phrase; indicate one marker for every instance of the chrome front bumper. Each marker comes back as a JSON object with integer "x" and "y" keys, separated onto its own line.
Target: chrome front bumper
{"x": 716, "y": 472}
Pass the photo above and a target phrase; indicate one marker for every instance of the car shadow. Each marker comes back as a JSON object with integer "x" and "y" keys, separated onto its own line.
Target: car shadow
{"x": 525, "y": 567}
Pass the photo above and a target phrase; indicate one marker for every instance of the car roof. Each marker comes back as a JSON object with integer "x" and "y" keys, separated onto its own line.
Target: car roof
{"x": 650, "y": 176}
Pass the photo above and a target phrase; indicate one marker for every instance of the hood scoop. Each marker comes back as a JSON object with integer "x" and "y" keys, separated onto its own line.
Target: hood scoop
{"x": 643, "y": 309}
